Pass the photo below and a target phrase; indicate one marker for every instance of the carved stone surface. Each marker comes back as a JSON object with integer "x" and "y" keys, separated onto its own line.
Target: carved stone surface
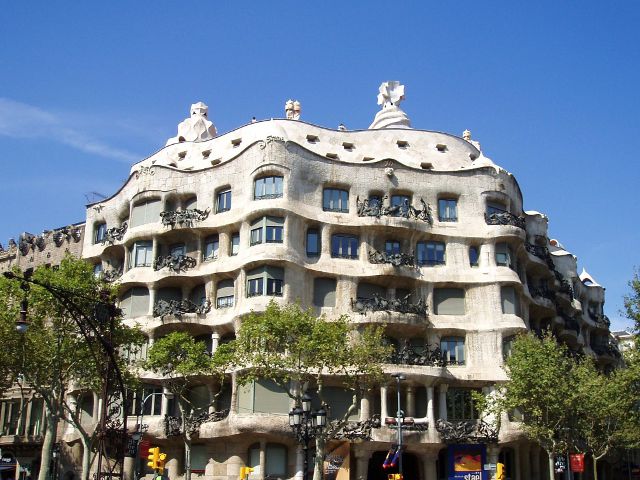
{"x": 389, "y": 97}
{"x": 115, "y": 234}
{"x": 504, "y": 218}
{"x": 67, "y": 233}
{"x": 177, "y": 308}
{"x": 173, "y": 425}
{"x": 407, "y": 354}
{"x": 377, "y": 208}
{"x": 177, "y": 263}
{"x": 196, "y": 128}
{"x": 467, "y": 431}
{"x": 395, "y": 259}
{"x": 183, "y": 218}
{"x": 355, "y": 430}
{"x": 380, "y": 304}
{"x": 292, "y": 109}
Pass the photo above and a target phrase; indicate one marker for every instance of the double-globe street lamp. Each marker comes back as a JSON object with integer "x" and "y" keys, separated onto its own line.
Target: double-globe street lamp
{"x": 306, "y": 424}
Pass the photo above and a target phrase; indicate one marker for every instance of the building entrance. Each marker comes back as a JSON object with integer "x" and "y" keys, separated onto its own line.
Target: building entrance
{"x": 410, "y": 467}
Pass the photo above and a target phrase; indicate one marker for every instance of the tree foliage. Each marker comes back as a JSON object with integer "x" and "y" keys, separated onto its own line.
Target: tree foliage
{"x": 632, "y": 304}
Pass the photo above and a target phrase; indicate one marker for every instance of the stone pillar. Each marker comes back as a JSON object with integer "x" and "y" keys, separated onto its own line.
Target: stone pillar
{"x": 154, "y": 248}
{"x": 172, "y": 467}
{"x": 212, "y": 393}
{"x": 410, "y": 401}
{"x": 164, "y": 406}
{"x": 263, "y": 459}
{"x": 429, "y": 465}
{"x": 215, "y": 341}
{"x": 152, "y": 300}
{"x": 384, "y": 411}
{"x": 126, "y": 262}
{"x": 442, "y": 414}
{"x": 362, "y": 464}
{"x": 27, "y": 416}
{"x": 431, "y": 414}
{"x": 525, "y": 462}
{"x": 492, "y": 457}
{"x": 535, "y": 462}
{"x": 365, "y": 407}
{"x": 96, "y": 411}
{"x": 128, "y": 467}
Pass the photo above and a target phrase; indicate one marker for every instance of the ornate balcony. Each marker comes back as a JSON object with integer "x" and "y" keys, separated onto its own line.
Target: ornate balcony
{"x": 354, "y": 430}
{"x": 395, "y": 259}
{"x": 504, "y": 218}
{"x": 112, "y": 274}
{"x": 183, "y": 218}
{"x": 466, "y": 431}
{"x": 542, "y": 292}
{"x": 178, "y": 308}
{"x": 407, "y": 354}
{"x": 115, "y": 234}
{"x": 173, "y": 425}
{"x": 541, "y": 252}
{"x": 177, "y": 263}
{"x": 380, "y": 304}
{"x": 570, "y": 323}
{"x": 376, "y": 208}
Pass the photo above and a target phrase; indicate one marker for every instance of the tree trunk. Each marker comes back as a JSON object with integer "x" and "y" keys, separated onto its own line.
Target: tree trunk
{"x": 552, "y": 471}
{"x": 595, "y": 467}
{"x": 187, "y": 457}
{"x": 318, "y": 459}
{"x": 86, "y": 458}
{"x": 47, "y": 445}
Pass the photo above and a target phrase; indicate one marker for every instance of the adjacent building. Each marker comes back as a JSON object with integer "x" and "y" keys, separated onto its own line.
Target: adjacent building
{"x": 412, "y": 229}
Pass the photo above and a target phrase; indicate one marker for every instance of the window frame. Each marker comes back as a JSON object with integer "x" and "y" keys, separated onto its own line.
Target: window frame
{"x": 445, "y": 208}
{"x": 212, "y": 240}
{"x": 277, "y": 188}
{"x": 404, "y": 209}
{"x": 435, "y": 253}
{"x": 315, "y": 231}
{"x": 267, "y": 280}
{"x": 223, "y": 200}
{"x": 392, "y": 247}
{"x": 234, "y": 244}
{"x": 100, "y": 232}
{"x": 477, "y": 256}
{"x": 458, "y": 350}
{"x": 133, "y": 253}
{"x": 339, "y": 252}
{"x": 329, "y": 202}
{"x": 267, "y": 229}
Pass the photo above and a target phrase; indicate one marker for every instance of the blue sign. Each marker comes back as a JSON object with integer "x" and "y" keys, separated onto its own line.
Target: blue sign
{"x": 466, "y": 461}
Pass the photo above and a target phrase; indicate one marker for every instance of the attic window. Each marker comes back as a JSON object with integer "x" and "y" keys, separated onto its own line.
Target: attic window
{"x": 312, "y": 138}
{"x": 367, "y": 159}
{"x": 216, "y": 161}
{"x": 441, "y": 147}
{"x": 473, "y": 156}
{"x": 332, "y": 155}
{"x": 427, "y": 165}
{"x": 347, "y": 145}
{"x": 181, "y": 155}
{"x": 235, "y": 142}
{"x": 206, "y": 153}
{"x": 402, "y": 143}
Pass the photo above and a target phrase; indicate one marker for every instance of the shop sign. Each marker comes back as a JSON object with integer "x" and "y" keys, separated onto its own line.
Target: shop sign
{"x": 466, "y": 462}
{"x": 7, "y": 459}
{"x": 336, "y": 463}
{"x": 576, "y": 460}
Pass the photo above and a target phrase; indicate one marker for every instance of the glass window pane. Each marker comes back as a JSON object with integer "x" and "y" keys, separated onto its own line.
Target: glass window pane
{"x": 235, "y": 244}
{"x": 313, "y": 242}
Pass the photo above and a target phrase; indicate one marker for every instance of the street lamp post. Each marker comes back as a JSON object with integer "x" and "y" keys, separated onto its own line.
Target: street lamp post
{"x": 399, "y": 419}
{"x": 137, "y": 436}
{"x": 306, "y": 424}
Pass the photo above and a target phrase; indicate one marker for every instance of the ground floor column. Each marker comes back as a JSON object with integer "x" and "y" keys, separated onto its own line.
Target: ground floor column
{"x": 492, "y": 457}
{"x": 299, "y": 462}
{"x": 429, "y": 464}
{"x": 362, "y": 464}
{"x": 525, "y": 463}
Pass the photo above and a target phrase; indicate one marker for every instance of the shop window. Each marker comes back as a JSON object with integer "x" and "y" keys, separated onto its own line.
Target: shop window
{"x": 268, "y": 187}
{"x": 324, "y": 292}
{"x": 223, "y": 201}
{"x": 313, "y": 242}
{"x": 452, "y": 349}
{"x": 144, "y": 212}
{"x": 335, "y": 200}
{"x": 275, "y": 460}
{"x": 448, "y": 301}
{"x": 430, "y": 253}
{"x": 344, "y": 246}
{"x": 448, "y": 210}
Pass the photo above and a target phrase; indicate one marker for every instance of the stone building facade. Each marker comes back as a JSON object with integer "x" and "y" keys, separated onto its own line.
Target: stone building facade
{"x": 412, "y": 229}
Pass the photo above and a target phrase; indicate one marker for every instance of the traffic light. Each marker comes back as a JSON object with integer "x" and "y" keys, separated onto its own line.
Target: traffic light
{"x": 244, "y": 472}
{"x": 161, "y": 462}
{"x": 500, "y": 471}
{"x": 154, "y": 456}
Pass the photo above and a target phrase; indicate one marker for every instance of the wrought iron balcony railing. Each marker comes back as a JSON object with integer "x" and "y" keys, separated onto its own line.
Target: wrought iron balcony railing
{"x": 570, "y": 323}
{"x": 112, "y": 274}
{"x": 115, "y": 234}
{"x": 377, "y": 208}
{"x": 466, "y": 431}
{"x": 542, "y": 292}
{"x": 504, "y": 218}
{"x": 378, "y": 303}
{"x": 606, "y": 348}
{"x": 173, "y": 426}
{"x": 178, "y": 308}
{"x": 183, "y": 218}
{"x": 395, "y": 259}
{"x": 177, "y": 263}
{"x": 408, "y": 354}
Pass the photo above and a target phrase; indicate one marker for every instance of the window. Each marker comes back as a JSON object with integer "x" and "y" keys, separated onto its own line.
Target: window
{"x": 474, "y": 255}
{"x": 141, "y": 254}
{"x": 344, "y": 246}
{"x": 135, "y": 302}
{"x": 177, "y": 249}
{"x": 223, "y": 201}
{"x": 146, "y": 212}
{"x": 9, "y": 424}
{"x": 510, "y": 301}
{"x": 392, "y": 247}
{"x": 267, "y": 230}
{"x": 430, "y": 253}
{"x": 262, "y": 396}
{"x": 268, "y": 187}
{"x": 100, "y": 233}
{"x": 495, "y": 207}
{"x": 313, "y": 242}
{"x": 85, "y": 408}
{"x": 270, "y": 277}
{"x": 507, "y": 346}
{"x": 448, "y": 210}
{"x": 460, "y": 405}
{"x": 235, "y": 244}
{"x": 198, "y": 295}
{"x": 504, "y": 255}
{"x": 225, "y": 294}
{"x": 35, "y": 422}
{"x": 448, "y": 301}
{"x": 153, "y": 404}
{"x": 211, "y": 248}
{"x": 375, "y": 202}
{"x": 452, "y": 349}
{"x": 335, "y": 200}
{"x": 324, "y": 292}
{"x": 402, "y": 204}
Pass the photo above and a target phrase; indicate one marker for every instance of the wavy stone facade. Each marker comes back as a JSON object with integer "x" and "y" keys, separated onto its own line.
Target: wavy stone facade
{"x": 412, "y": 229}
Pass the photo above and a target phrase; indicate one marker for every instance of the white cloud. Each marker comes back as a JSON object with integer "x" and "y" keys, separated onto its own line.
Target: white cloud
{"x": 20, "y": 120}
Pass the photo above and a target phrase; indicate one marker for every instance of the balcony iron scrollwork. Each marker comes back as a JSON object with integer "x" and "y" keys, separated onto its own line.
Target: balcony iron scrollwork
{"x": 67, "y": 233}
{"x": 183, "y": 218}
{"x": 378, "y": 303}
{"x": 542, "y": 292}
{"x": 112, "y": 274}
{"x": 467, "y": 431}
{"x": 504, "y": 218}
{"x": 177, "y": 263}
{"x": 173, "y": 425}
{"x": 354, "y": 430}
{"x": 377, "y": 208}
{"x": 115, "y": 234}
{"x": 395, "y": 259}
{"x": 178, "y": 308}
{"x": 541, "y": 252}
{"x": 407, "y": 354}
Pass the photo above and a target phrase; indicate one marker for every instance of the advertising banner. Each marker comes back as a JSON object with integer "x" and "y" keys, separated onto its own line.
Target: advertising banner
{"x": 466, "y": 461}
{"x": 336, "y": 462}
{"x": 576, "y": 460}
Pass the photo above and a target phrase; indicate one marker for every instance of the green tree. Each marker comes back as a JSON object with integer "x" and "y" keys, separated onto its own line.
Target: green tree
{"x": 53, "y": 354}
{"x": 185, "y": 363}
{"x": 632, "y": 305}
{"x": 297, "y": 350}
{"x": 541, "y": 386}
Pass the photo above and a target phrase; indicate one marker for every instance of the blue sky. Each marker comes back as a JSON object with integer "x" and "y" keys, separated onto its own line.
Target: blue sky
{"x": 549, "y": 88}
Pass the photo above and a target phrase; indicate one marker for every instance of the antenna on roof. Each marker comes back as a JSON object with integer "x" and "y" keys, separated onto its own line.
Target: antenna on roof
{"x": 93, "y": 197}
